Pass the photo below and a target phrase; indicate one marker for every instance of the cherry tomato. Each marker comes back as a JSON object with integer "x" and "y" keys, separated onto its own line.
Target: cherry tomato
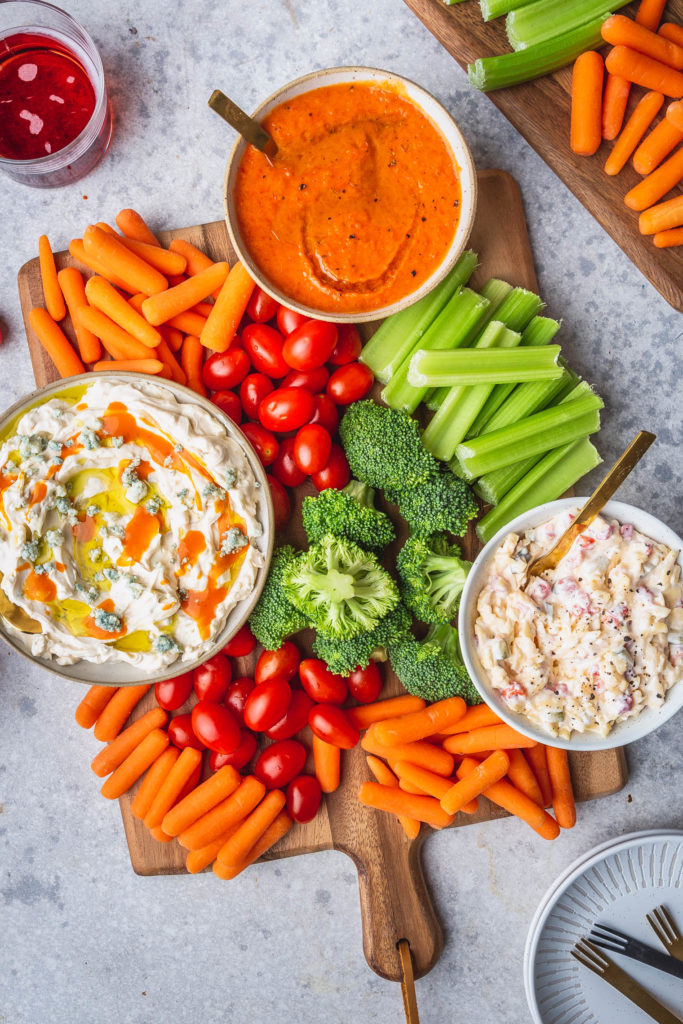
{"x": 365, "y": 684}
{"x": 279, "y": 763}
{"x": 223, "y": 371}
{"x": 285, "y": 468}
{"x": 333, "y": 725}
{"x": 282, "y": 506}
{"x": 348, "y": 346}
{"x": 322, "y": 685}
{"x": 239, "y": 757}
{"x": 262, "y": 441}
{"x": 267, "y": 704}
{"x": 312, "y": 447}
{"x": 216, "y": 726}
{"x": 286, "y": 409}
{"x": 229, "y": 403}
{"x": 242, "y": 643}
{"x": 253, "y": 390}
{"x": 211, "y": 680}
{"x": 288, "y": 320}
{"x": 264, "y": 345}
{"x": 336, "y": 473}
{"x": 172, "y": 693}
{"x": 295, "y": 718}
{"x": 325, "y": 414}
{"x": 237, "y": 695}
{"x": 310, "y": 345}
{"x": 313, "y": 380}
{"x": 280, "y": 664}
{"x": 181, "y": 733}
{"x": 350, "y": 383}
{"x": 261, "y": 307}
{"x": 303, "y": 798}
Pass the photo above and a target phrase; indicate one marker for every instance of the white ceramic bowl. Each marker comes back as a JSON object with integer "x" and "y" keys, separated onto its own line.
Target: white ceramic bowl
{"x": 434, "y": 111}
{"x": 625, "y": 732}
{"x": 112, "y": 673}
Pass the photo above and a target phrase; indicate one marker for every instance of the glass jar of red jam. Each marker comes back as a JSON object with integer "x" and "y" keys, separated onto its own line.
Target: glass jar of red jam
{"x": 55, "y": 118}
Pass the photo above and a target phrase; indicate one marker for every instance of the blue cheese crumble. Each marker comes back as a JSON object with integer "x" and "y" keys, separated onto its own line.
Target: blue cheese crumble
{"x": 110, "y": 622}
{"x": 31, "y": 550}
{"x": 165, "y": 644}
{"x": 89, "y": 439}
{"x": 234, "y": 540}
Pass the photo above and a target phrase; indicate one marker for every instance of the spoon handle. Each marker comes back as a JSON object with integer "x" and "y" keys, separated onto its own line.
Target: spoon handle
{"x": 247, "y": 127}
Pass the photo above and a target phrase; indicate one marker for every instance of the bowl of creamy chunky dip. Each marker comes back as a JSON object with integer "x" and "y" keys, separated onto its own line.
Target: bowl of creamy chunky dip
{"x": 135, "y": 527}
{"x": 588, "y": 655}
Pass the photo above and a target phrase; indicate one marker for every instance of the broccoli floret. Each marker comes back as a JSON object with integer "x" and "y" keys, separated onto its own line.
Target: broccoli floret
{"x": 346, "y": 654}
{"x": 432, "y": 574}
{"x": 349, "y": 513}
{"x": 432, "y": 668}
{"x": 342, "y": 589}
{"x": 384, "y": 447}
{"x": 274, "y": 618}
{"x": 444, "y": 503}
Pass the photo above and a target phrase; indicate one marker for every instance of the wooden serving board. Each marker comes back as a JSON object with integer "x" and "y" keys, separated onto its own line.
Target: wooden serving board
{"x": 539, "y": 110}
{"x": 395, "y": 902}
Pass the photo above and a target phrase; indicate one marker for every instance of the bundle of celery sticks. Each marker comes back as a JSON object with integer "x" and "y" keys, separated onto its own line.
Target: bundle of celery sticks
{"x": 509, "y": 416}
{"x": 544, "y": 35}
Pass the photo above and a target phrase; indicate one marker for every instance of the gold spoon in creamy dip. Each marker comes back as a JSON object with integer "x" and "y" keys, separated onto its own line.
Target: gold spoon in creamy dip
{"x": 15, "y": 615}
{"x": 247, "y": 127}
{"x": 595, "y": 504}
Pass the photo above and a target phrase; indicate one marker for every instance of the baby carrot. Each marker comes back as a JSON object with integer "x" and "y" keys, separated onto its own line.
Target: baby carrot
{"x": 536, "y": 757}
{"x": 236, "y": 807}
{"x": 614, "y": 103}
{"x": 137, "y": 762}
{"x": 384, "y": 775}
{"x": 506, "y": 796}
{"x": 431, "y": 784}
{"x": 118, "y": 749}
{"x": 490, "y": 737}
{"x": 365, "y": 715}
{"x": 168, "y": 358}
{"x": 196, "y": 259}
{"x": 422, "y": 753}
{"x": 327, "y": 762}
{"x": 169, "y": 264}
{"x": 586, "y": 115}
{"x": 669, "y": 238}
{"x": 663, "y": 138}
{"x": 474, "y": 718}
{"x": 475, "y": 782}
{"x": 116, "y": 713}
{"x": 77, "y": 250}
{"x": 151, "y": 366}
{"x": 395, "y": 801}
{"x": 270, "y": 837}
{"x": 188, "y": 323}
{"x": 112, "y": 254}
{"x": 73, "y": 289}
{"x": 191, "y": 356}
{"x": 93, "y": 704}
{"x": 203, "y": 308}
{"x": 673, "y": 32}
{"x": 643, "y": 70}
{"x": 656, "y": 185}
{"x": 160, "y": 836}
{"x": 197, "y": 860}
{"x": 55, "y": 342}
{"x": 405, "y": 784}
{"x": 105, "y": 297}
{"x": 634, "y": 130}
{"x": 228, "y": 310}
{"x": 238, "y": 846}
{"x": 154, "y": 776}
{"x": 118, "y": 342}
{"x": 622, "y": 31}
{"x": 52, "y": 292}
{"x": 674, "y": 114}
{"x": 561, "y": 785}
{"x": 419, "y": 724}
{"x": 204, "y": 798}
{"x": 650, "y": 13}
{"x": 172, "y": 786}
{"x": 172, "y": 336}
{"x": 131, "y": 224}
{"x": 522, "y": 777}
{"x": 662, "y": 217}
{"x": 158, "y": 309}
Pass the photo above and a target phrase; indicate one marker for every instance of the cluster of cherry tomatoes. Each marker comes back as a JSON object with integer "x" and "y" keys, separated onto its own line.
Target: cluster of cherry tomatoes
{"x": 282, "y": 380}
{"x": 286, "y": 694}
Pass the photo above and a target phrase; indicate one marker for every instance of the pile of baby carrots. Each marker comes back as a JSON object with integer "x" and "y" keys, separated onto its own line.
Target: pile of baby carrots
{"x": 644, "y": 54}
{"x": 146, "y": 308}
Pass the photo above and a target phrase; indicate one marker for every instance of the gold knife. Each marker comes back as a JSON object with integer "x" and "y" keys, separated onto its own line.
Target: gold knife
{"x": 598, "y": 962}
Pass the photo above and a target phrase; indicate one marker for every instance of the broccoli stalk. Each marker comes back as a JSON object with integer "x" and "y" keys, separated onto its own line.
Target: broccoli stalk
{"x": 432, "y": 668}
{"x": 345, "y": 654}
{"x": 384, "y": 447}
{"x": 349, "y": 513}
{"x": 442, "y": 503}
{"x": 433, "y": 575}
{"x": 340, "y": 588}
{"x": 274, "y": 618}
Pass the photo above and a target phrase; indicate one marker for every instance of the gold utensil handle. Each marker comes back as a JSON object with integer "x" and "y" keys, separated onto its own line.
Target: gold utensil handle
{"x": 630, "y": 988}
{"x": 408, "y": 983}
{"x": 250, "y": 129}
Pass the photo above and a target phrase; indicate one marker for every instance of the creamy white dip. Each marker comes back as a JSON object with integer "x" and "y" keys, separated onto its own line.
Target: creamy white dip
{"x": 591, "y": 642}
{"x": 127, "y": 521}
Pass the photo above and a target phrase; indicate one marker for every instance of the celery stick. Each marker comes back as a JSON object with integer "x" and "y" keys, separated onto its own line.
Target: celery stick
{"x": 544, "y": 19}
{"x": 548, "y": 480}
{"x": 456, "y": 325}
{"x": 491, "y": 9}
{"x": 489, "y": 73}
{"x": 468, "y": 367}
{"x": 525, "y": 400}
{"x": 395, "y": 338}
{"x": 449, "y": 426}
{"x": 536, "y": 433}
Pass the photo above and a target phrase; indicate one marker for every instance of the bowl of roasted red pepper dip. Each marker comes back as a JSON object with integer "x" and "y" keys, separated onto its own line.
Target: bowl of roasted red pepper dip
{"x": 366, "y": 205}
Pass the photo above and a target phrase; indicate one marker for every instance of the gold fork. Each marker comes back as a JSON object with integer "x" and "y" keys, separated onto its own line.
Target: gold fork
{"x": 595, "y": 960}
{"x": 664, "y": 927}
